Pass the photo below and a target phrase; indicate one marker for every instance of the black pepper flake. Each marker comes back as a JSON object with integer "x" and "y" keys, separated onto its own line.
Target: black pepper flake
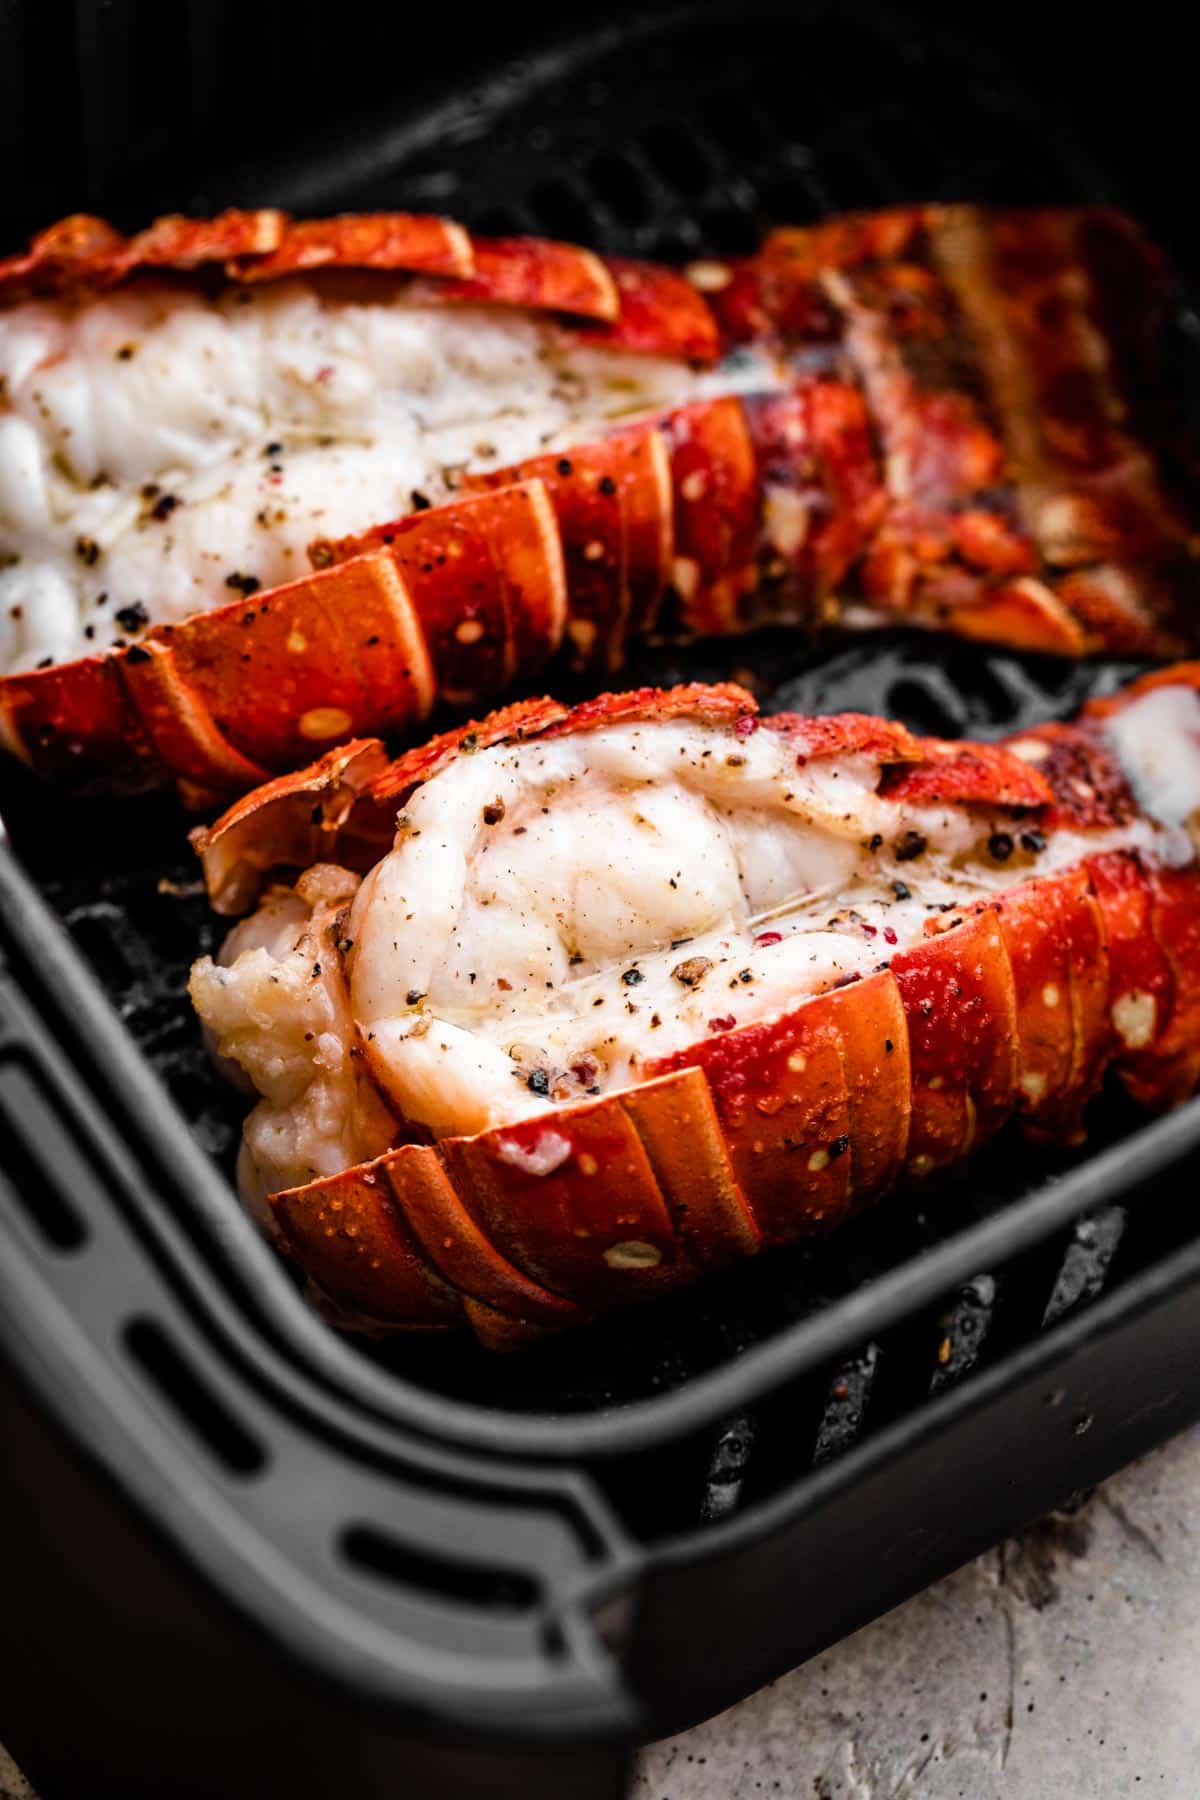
{"x": 135, "y": 654}
{"x": 607, "y": 485}
{"x": 243, "y": 584}
{"x": 420, "y": 502}
{"x": 1000, "y": 846}
{"x": 132, "y": 617}
{"x": 839, "y": 1146}
{"x": 888, "y": 1045}
{"x": 902, "y": 890}
{"x": 493, "y": 812}
{"x": 564, "y": 465}
{"x": 273, "y": 450}
{"x": 538, "y": 1082}
{"x": 125, "y": 352}
{"x": 164, "y": 506}
{"x": 1033, "y": 841}
{"x": 910, "y": 846}
{"x": 876, "y": 842}
{"x": 87, "y": 550}
{"x": 414, "y": 997}
{"x": 633, "y": 977}
{"x": 316, "y": 970}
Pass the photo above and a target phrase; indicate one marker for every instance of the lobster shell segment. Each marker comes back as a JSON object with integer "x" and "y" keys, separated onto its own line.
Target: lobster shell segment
{"x": 627, "y": 305}
{"x": 1142, "y": 988}
{"x": 708, "y": 519}
{"x": 959, "y": 1001}
{"x": 613, "y": 503}
{"x": 452, "y": 602}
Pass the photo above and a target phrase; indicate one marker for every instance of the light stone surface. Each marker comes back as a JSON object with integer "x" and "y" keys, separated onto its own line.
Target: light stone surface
{"x": 1064, "y": 1665}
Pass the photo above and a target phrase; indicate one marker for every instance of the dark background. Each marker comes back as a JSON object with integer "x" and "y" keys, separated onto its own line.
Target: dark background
{"x": 133, "y": 106}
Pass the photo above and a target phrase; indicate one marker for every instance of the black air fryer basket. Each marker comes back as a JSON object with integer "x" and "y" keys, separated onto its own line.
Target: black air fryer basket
{"x": 243, "y": 1555}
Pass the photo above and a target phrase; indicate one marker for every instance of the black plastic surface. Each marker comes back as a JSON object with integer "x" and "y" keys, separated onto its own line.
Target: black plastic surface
{"x": 247, "y": 1556}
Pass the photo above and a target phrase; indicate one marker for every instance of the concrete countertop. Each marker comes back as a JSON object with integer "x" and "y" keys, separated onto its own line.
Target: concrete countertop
{"x": 1064, "y": 1665}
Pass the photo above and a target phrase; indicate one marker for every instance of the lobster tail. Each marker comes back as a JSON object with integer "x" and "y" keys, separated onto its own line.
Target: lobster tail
{"x": 767, "y": 1135}
{"x": 1073, "y": 955}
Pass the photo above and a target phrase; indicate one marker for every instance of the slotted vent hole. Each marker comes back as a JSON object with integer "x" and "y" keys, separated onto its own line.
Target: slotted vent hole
{"x": 191, "y": 1400}
{"x": 562, "y": 211}
{"x": 1085, "y": 1269}
{"x": 848, "y": 180}
{"x": 733, "y": 126}
{"x": 792, "y": 197}
{"x": 97, "y": 932}
{"x": 923, "y": 708}
{"x": 42, "y": 1194}
{"x": 729, "y": 228}
{"x": 678, "y": 156}
{"x": 621, "y": 186}
{"x": 380, "y": 1554}
{"x": 911, "y": 153}
{"x": 681, "y": 238}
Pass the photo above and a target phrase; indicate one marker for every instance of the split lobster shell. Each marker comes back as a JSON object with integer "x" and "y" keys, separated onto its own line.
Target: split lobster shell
{"x": 964, "y": 434}
{"x": 771, "y": 1132}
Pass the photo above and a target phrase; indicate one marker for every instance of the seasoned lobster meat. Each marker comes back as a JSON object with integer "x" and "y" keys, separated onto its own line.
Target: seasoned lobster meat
{"x": 266, "y": 484}
{"x": 163, "y": 450}
{"x": 571, "y": 1005}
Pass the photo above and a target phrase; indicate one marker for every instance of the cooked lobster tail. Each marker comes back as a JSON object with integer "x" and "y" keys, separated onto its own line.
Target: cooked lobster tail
{"x": 770, "y": 1134}
{"x": 934, "y": 414}
{"x": 1014, "y": 1005}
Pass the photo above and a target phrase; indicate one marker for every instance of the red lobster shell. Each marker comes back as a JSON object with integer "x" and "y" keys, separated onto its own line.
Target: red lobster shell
{"x": 966, "y": 437}
{"x": 769, "y": 1132}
